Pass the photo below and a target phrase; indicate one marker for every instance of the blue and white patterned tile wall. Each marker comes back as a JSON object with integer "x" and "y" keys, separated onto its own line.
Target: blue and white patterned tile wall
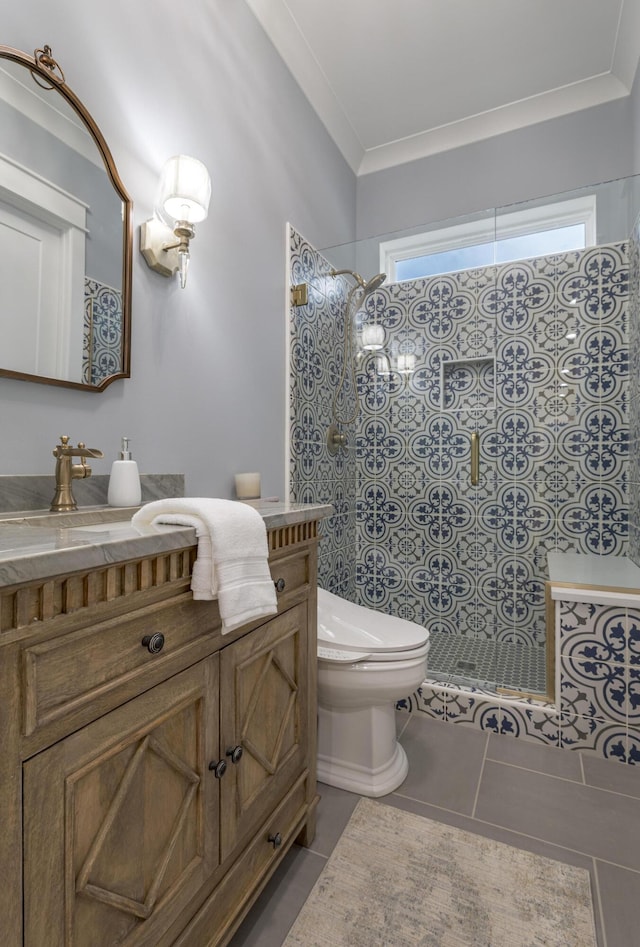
{"x": 316, "y": 361}
{"x": 534, "y": 357}
{"x": 103, "y": 331}
{"x": 599, "y": 674}
{"x": 634, "y": 394}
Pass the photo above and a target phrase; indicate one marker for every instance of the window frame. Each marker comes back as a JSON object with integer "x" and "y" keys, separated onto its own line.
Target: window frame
{"x": 532, "y": 220}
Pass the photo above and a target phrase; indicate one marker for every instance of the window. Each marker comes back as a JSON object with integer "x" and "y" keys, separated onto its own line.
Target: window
{"x": 537, "y": 231}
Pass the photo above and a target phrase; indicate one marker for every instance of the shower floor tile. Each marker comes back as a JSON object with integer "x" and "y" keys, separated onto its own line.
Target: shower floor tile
{"x": 480, "y": 662}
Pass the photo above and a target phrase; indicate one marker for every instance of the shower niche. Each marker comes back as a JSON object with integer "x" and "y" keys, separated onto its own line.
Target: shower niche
{"x": 468, "y": 384}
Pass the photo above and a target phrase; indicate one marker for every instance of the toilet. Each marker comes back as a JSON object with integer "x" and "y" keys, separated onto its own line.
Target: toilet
{"x": 367, "y": 661}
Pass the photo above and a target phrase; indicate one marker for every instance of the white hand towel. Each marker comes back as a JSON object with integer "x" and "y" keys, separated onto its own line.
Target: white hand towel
{"x": 231, "y": 564}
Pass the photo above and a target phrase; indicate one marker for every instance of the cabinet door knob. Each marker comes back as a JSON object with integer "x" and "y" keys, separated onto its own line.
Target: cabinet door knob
{"x": 154, "y": 643}
{"x": 235, "y": 753}
{"x": 279, "y": 584}
{"x": 218, "y": 768}
{"x": 276, "y": 840}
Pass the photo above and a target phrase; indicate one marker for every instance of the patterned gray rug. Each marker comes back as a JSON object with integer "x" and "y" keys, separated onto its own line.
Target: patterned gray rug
{"x": 398, "y": 880}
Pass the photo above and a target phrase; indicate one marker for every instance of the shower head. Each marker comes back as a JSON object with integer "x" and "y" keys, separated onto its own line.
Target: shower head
{"x": 374, "y": 283}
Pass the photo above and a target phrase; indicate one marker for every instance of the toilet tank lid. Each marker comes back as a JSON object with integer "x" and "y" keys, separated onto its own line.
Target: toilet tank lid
{"x": 349, "y": 627}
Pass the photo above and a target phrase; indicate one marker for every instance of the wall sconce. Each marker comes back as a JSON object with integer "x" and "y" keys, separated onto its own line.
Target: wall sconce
{"x": 182, "y": 201}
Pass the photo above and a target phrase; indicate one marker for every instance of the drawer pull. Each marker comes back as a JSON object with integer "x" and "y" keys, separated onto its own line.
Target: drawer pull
{"x": 279, "y": 584}
{"x": 218, "y": 769}
{"x": 235, "y": 752}
{"x": 276, "y": 840}
{"x": 154, "y": 643}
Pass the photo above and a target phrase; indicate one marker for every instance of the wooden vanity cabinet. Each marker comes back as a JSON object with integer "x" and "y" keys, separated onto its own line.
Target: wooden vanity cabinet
{"x": 152, "y": 799}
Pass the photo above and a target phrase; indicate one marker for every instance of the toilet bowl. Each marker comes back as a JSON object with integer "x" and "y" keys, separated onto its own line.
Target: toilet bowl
{"x": 367, "y": 661}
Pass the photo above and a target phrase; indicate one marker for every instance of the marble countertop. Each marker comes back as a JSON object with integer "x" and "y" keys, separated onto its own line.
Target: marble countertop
{"x": 36, "y": 545}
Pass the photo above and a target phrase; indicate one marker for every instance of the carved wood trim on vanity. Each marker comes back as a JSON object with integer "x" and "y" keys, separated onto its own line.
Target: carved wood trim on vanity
{"x": 21, "y": 606}
{"x": 288, "y": 536}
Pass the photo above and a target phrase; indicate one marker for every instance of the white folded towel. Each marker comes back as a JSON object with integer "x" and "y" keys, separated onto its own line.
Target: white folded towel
{"x": 231, "y": 564}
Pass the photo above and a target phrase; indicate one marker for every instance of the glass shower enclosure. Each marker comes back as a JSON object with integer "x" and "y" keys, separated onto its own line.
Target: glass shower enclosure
{"x": 492, "y": 430}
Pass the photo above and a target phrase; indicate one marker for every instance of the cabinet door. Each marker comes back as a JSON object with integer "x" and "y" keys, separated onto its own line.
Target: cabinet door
{"x": 121, "y": 818}
{"x": 263, "y": 709}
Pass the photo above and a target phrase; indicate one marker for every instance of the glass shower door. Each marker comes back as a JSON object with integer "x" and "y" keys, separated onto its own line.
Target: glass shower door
{"x": 426, "y": 517}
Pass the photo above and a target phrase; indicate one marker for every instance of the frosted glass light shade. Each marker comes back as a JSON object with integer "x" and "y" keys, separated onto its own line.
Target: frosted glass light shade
{"x": 372, "y": 337}
{"x": 184, "y": 191}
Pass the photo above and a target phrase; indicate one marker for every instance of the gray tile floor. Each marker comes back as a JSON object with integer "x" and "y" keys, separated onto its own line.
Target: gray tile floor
{"x": 557, "y": 803}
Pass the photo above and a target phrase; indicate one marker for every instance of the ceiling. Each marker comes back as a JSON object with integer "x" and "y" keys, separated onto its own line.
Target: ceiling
{"x": 396, "y": 80}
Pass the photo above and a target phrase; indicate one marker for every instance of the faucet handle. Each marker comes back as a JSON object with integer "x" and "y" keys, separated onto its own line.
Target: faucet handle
{"x": 59, "y": 449}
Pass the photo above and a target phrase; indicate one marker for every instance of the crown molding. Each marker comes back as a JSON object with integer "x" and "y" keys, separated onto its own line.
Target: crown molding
{"x": 283, "y": 31}
{"x": 511, "y": 117}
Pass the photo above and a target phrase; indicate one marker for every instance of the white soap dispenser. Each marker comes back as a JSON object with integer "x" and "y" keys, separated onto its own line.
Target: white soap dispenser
{"x": 124, "y": 482}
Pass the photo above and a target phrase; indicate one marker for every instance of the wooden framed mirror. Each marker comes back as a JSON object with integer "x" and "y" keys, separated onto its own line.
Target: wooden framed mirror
{"x": 65, "y": 234}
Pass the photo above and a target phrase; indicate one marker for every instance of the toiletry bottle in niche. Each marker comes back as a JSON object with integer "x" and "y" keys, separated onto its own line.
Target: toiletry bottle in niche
{"x": 124, "y": 482}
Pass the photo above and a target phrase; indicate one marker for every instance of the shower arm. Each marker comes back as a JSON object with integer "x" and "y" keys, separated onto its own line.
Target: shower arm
{"x": 352, "y": 273}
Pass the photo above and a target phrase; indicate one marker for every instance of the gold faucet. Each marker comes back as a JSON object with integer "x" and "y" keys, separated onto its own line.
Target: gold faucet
{"x": 66, "y": 471}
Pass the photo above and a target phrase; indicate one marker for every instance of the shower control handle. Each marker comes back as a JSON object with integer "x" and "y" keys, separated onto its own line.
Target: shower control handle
{"x": 335, "y": 439}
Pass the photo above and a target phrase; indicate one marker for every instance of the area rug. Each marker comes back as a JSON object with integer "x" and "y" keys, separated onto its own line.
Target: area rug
{"x": 398, "y": 880}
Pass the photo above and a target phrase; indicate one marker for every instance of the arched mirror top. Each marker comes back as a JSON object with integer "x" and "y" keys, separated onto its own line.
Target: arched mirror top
{"x": 65, "y": 234}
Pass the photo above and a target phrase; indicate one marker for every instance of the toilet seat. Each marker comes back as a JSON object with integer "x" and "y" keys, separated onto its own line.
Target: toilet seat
{"x": 349, "y": 632}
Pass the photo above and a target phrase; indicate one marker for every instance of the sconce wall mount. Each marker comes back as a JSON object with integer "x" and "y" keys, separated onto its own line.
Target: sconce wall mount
{"x": 155, "y": 238}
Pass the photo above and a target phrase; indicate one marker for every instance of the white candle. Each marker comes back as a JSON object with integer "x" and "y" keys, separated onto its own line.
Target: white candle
{"x": 247, "y": 486}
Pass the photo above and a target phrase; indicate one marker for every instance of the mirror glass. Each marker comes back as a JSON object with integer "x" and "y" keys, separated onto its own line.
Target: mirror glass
{"x": 65, "y": 234}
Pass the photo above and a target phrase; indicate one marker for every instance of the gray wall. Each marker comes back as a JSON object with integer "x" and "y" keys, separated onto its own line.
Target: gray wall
{"x": 560, "y": 155}
{"x": 207, "y": 395}
{"x": 635, "y": 111}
